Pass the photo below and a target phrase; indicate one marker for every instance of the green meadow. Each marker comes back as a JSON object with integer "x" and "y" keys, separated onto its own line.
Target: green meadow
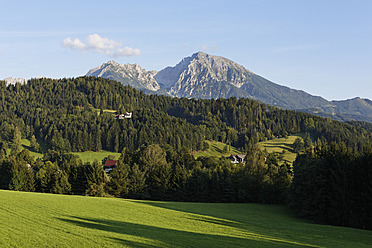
{"x": 47, "y": 220}
{"x": 216, "y": 150}
{"x": 26, "y": 144}
{"x": 272, "y": 146}
{"x": 278, "y": 145}
{"x": 90, "y": 156}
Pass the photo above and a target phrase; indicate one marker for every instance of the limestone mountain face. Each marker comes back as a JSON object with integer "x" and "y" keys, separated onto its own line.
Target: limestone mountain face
{"x": 12, "y": 80}
{"x": 129, "y": 74}
{"x": 205, "y": 76}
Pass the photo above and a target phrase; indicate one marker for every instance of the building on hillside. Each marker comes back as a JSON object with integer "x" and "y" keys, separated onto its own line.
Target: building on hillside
{"x": 109, "y": 165}
{"x": 127, "y": 115}
{"x": 237, "y": 158}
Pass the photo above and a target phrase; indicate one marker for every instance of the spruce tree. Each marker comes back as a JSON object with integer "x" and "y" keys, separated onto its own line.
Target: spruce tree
{"x": 16, "y": 145}
{"x": 96, "y": 179}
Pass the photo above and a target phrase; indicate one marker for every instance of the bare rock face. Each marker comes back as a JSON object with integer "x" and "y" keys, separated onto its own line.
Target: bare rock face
{"x": 12, "y": 80}
{"x": 205, "y": 76}
{"x": 130, "y": 74}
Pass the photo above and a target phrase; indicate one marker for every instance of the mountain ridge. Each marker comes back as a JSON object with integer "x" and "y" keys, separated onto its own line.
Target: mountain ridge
{"x": 131, "y": 74}
{"x": 206, "y": 76}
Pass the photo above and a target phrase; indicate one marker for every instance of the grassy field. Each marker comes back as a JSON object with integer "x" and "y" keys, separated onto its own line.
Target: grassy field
{"x": 26, "y": 144}
{"x": 278, "y": 145}
{"x": 46, "y": 220}
{"x": 216, "y": 149}
{"x": 91, "y": 156}
{"x": 84, "y": 156}
{"x": 272, "y": 146}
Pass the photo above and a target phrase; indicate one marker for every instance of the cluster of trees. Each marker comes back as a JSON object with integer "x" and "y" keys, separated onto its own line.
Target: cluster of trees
{"x": 152, "y": 172}
{"x": 68, "y": 115}
{"x": 332, "y": 184}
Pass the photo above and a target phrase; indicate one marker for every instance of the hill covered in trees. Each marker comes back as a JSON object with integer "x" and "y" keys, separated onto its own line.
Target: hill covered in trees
{"x": 205, "y": 76}
{"x": 70, "y": 115}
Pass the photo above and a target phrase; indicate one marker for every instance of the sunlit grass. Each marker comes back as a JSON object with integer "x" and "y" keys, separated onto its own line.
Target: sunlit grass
{"x": 280, "y": 144}
{"x": 216, "y": 149}
{"x": 90, "y": 156}
{"x": 26, "y": 144}
{"x": 45, "y": 220}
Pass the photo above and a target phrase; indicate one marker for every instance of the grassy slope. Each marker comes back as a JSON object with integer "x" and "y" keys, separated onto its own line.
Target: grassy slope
{"x": 278, "y": 145}
{"x": 26, "y": 144}
{"x": 91, "y": 156}
{"x": 216, "y": 149}
{"x": 35, "y": 219}
{"x": 84, "y": 156}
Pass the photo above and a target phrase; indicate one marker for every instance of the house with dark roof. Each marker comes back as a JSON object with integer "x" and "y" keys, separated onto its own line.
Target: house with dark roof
{"x": 237, "y": 158}
{"x": 109, "y": 165}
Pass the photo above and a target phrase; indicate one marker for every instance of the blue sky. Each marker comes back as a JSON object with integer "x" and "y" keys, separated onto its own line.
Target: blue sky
{"x": 322, "y": 47}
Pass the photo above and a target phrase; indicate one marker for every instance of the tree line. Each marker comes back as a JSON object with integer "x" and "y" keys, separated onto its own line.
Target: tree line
{"x": 332, "y": 185}
{"x": 152, "y": 172}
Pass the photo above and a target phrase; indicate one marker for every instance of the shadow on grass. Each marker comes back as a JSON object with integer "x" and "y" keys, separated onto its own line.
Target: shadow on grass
{"x": 155, "y": 236}
{"x": 200, "y": 215}
{"x": 216, "y": 148}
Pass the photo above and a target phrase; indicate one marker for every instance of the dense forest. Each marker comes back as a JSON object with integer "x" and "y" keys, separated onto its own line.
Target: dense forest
{"x": 151, "y": 172}
{"x": 332, "y": 184}
{"x": 69, "y": 115}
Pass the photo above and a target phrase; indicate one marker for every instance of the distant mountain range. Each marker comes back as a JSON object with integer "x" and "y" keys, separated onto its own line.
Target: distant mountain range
{"x": 206, "y": 76}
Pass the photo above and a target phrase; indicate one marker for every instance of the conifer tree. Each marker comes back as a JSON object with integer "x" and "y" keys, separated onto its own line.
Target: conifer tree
{"x": 96, "y": 179}
{"x": 119, "y": 178}
{"x": 16, "y": 145}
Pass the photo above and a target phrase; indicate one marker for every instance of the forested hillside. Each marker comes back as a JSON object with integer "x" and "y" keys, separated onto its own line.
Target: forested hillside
{"x": 68, "y": 115}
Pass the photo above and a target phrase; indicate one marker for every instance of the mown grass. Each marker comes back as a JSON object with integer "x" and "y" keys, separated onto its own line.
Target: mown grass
{"x": 278, "y": 145}
{"x": 272, "y": 146}
{"x": 90, "y": 156}
{"x": 46, "y": 220}
{"x": 216, "y": 150}
{"x": 26, "y": 144}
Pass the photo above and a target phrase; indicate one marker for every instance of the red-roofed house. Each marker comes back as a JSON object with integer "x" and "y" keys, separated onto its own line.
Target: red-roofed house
{"x": 109, "y": 165}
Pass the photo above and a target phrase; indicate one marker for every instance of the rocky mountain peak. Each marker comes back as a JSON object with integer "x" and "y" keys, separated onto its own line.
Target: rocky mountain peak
{"x": 112, "y": 62}
{"x": 202, "y": 67}
{"x": 202, "y": 75}
{"x": 13, "y": 80}
{"x": 130, "y": 74}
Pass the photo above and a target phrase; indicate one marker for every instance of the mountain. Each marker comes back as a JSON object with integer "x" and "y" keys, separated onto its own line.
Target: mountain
{"x": 12, "y": 80}
{"x": 357, "y": 105}
{"x": 209, "y": 77}
{"x": 345, "y": 110}
{"x": 206, "y": 76}
{"x": 129, "y": 74}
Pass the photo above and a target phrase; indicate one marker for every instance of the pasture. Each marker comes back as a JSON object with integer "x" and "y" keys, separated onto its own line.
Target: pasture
{"x": 47, "y": 220}
{"x": 280, "y": 144}
{"x": 216, "y": 149}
